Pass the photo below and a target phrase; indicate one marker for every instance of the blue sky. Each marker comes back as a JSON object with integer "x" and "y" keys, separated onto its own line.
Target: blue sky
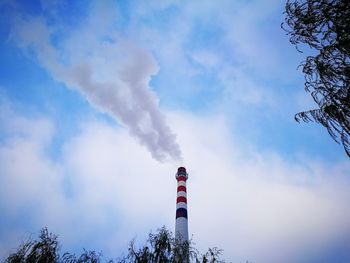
{"x": 102, "y": 100}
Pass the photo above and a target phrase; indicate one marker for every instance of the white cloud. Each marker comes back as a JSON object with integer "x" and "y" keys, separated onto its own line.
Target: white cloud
{"x": 240, "y": 88}
{"x": 255, "y": 206}
{"x": 248, "y": 41}
{"x": 206, "y": 58}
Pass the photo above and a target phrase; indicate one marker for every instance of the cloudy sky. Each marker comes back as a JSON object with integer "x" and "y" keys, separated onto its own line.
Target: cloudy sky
{"x": 101, "y": 101}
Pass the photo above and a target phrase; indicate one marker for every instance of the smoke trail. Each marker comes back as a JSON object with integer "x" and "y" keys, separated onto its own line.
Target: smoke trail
{"x": 113, "y": 75}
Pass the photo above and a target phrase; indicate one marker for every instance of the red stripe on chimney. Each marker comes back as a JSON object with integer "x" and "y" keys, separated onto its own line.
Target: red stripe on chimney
{"x": 181, "y": 199}
{"x": 181, "y": 178}
{"x": 181, "y": 188}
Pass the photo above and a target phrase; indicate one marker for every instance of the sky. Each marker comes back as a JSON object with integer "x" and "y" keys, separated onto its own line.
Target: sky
{"x": 101, "y": 101}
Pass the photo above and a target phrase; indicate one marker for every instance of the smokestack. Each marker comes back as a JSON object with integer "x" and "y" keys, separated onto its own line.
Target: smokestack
{"x": 181, "y": 225}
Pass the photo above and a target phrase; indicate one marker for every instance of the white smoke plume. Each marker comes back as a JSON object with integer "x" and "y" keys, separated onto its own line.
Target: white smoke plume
{"x": 111, "y": 72}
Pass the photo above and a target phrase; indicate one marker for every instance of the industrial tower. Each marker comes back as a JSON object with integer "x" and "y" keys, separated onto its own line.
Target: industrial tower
{"x": 181, "y": 226}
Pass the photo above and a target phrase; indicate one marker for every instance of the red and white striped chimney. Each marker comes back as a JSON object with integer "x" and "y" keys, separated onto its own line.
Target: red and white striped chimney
{"x": 181, "y": 225}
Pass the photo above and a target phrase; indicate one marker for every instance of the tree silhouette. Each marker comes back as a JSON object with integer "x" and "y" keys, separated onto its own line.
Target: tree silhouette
{"x": 324, "y": 26}
{"x": 164, "y": 248}
{"x": 161, "y": 247}
{"x": 44, "y": 250}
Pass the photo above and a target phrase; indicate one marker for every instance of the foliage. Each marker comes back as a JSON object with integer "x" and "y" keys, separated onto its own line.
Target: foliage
{"x": 85, "y": 257}
{"x": 324, "y": 26}
{"x": 161, "y": 247}
{"x": 45, "y": 250}
{"x": 164, "y": 248}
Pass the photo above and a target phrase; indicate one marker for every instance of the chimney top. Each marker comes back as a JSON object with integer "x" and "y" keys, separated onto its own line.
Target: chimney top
{"x": 181, "y": 171}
